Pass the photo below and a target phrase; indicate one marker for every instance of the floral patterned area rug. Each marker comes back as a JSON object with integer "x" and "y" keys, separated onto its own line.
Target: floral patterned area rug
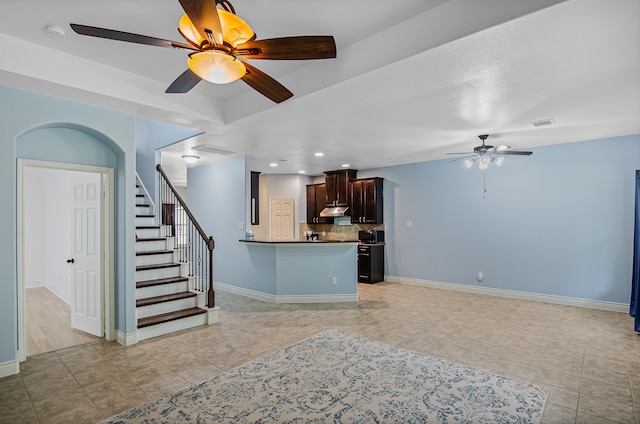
{"x": 341, "y": 378}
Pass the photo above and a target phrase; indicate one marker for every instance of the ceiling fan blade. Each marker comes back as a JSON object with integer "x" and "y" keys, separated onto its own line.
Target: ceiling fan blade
{"x": 204, "y": 16}
{"x": 461, "y": 153}
{"x": 129, "y": 37}
{"x": 289, "y": 48}
{"x": 462, "y": 158}
{"x": 265, "y": 85}
{"x": 185, "y": 82}
{"x": 513, "y": 152}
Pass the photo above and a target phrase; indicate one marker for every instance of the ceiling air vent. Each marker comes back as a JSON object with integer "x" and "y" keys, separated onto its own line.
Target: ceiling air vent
{"x": 208, "y": 148}
{"x": 543, "y": 122}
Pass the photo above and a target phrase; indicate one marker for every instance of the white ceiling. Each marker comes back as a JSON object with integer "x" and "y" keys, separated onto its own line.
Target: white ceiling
{"x": 413, "y": 80}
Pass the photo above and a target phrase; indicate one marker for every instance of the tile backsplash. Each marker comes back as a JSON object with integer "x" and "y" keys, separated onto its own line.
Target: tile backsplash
{"x": 337, "y": 232}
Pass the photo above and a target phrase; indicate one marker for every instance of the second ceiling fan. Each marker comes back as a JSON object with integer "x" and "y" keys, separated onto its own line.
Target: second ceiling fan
{"x": 485, "y": 154}
{"x": 218, "y": 38}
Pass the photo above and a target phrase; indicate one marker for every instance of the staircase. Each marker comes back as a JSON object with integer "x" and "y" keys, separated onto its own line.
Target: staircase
{"x": 165, "y": 297}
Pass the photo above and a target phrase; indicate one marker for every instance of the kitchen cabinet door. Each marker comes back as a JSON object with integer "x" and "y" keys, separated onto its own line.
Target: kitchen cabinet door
{"x": 338, "y": 184}
{"x": 366, "y": 201}
{"x": 316, "y": 199}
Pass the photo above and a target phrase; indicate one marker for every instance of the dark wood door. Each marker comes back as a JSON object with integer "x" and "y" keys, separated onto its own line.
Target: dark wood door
{"x": 316, "y": 199}
{"x": 338, "y": 185}
{"x": 357, "y": 201}
{"x": 366, "y": 201}
{"x": 372, "y": 201}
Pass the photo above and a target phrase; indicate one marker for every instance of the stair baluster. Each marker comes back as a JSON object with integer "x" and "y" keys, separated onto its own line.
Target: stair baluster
{"x": 196, "y": 247}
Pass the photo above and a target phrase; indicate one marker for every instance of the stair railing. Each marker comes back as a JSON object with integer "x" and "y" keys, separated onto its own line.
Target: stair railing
{"x": 195, "y": 247}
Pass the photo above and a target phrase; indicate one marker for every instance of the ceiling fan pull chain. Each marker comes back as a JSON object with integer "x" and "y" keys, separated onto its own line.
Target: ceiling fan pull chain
{"x": 484, "y": 185}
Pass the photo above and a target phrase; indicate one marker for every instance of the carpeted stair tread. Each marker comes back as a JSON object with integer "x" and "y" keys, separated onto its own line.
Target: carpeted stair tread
{"x": 160, "y": 281}
{"x": 156, "y": 266}
{"x": 169, "y": 316}
{"x": 164, "y": 298}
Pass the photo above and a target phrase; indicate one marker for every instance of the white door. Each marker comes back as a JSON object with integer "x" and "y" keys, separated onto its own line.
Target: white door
{"x": 282, "y": 219}
{"x": 86, "y": 246}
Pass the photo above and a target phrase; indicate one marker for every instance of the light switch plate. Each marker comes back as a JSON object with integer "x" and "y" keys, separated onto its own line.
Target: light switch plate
{"x": 240, "y": 226}
{"x": 408, "y": 224}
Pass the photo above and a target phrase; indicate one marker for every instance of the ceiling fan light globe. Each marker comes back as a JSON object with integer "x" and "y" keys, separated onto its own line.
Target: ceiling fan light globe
{"x": 498, "y": 161}
{"x": 468, "y": 163}
{"x": 484, "y": 161}
{"x": 216, "y": 66}
{"x": 234, "y": 30}
{"x": 189, "y": 31}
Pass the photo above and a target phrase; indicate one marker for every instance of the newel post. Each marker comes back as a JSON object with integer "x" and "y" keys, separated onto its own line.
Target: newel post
{"x": 211, "y": 298}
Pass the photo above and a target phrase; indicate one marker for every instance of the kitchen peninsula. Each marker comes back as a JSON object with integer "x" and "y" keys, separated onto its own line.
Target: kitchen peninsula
{"x": 304, "y": 271}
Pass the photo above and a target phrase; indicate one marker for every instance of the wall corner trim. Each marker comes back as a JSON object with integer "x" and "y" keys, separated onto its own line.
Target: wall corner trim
{"x": 513, "y": 294}
{"x": 9, "y": 368}
{"x": 127, "y": 339}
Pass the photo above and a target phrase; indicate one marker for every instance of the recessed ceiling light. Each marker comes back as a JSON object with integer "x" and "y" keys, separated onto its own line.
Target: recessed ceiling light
{"x": 302, "y": 171}
{"x": 273, "y": 164}
{"x": 345, "y": 165}
{"x": 54, "y": 31}
{"x": 319, "y": 154}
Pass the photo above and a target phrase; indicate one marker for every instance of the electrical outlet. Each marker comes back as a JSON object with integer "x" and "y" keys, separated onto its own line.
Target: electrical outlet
{"x": 240, "y": 226}
{"x": 334, "y": 281}
{"x": 408, "y": 224}
{"x": 480, "y": 276}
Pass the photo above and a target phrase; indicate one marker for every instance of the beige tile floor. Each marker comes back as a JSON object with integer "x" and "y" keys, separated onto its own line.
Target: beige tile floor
{"x": 589, "y": 359}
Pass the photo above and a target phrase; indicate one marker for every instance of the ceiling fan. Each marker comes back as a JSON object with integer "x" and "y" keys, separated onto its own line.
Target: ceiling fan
{"x": 220, "y": 42}
{"x": 484, "y": 154}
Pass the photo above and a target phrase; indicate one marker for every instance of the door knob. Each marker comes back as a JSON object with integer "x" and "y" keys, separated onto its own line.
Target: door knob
{"x": 70, "y": 261}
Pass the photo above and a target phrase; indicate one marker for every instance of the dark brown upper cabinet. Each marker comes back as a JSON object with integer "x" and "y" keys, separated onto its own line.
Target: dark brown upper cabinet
{"x": 338, "y": 186}
{"x": 255, "y": 198}
{"x": 366, "y": 201}
{"x": 316, "y": 199}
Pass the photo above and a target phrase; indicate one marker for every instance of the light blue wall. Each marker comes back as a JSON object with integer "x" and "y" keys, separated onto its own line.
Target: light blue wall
{"x": 308, "y": 269}
{"x": 151, "y": 136}
{"x": 40, "y": 127}
{"x": 559, "y": 222}
{"x": 217, "y": 198}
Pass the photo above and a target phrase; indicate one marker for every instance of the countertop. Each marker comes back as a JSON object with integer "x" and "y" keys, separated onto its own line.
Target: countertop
{"x": 300, "y": 241}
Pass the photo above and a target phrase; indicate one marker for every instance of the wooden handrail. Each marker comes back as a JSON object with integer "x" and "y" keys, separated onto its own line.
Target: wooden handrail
{"x": 208, "y": 240}
{"x": 193, "y": 219}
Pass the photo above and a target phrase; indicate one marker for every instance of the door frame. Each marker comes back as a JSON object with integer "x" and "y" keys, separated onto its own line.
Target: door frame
{"x": 107, "y": 229}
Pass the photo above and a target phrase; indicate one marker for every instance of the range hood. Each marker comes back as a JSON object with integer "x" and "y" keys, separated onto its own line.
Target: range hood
{"x": 334, "y": 211}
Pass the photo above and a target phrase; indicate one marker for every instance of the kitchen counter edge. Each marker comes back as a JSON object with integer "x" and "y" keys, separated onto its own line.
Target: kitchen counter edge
{"x": 300, "y": 241}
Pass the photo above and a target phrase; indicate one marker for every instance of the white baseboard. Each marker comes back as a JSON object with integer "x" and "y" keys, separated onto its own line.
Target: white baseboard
{"x": 127, "y": 339}
{"x": 9, "y": 368}
{"x": 513, "y": 294}
{"x": 252, "y": 294}
{"x": 265, "y": 297}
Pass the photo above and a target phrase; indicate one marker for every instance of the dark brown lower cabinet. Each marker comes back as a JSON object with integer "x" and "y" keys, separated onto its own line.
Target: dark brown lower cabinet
{"x": 370, "y": 263}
